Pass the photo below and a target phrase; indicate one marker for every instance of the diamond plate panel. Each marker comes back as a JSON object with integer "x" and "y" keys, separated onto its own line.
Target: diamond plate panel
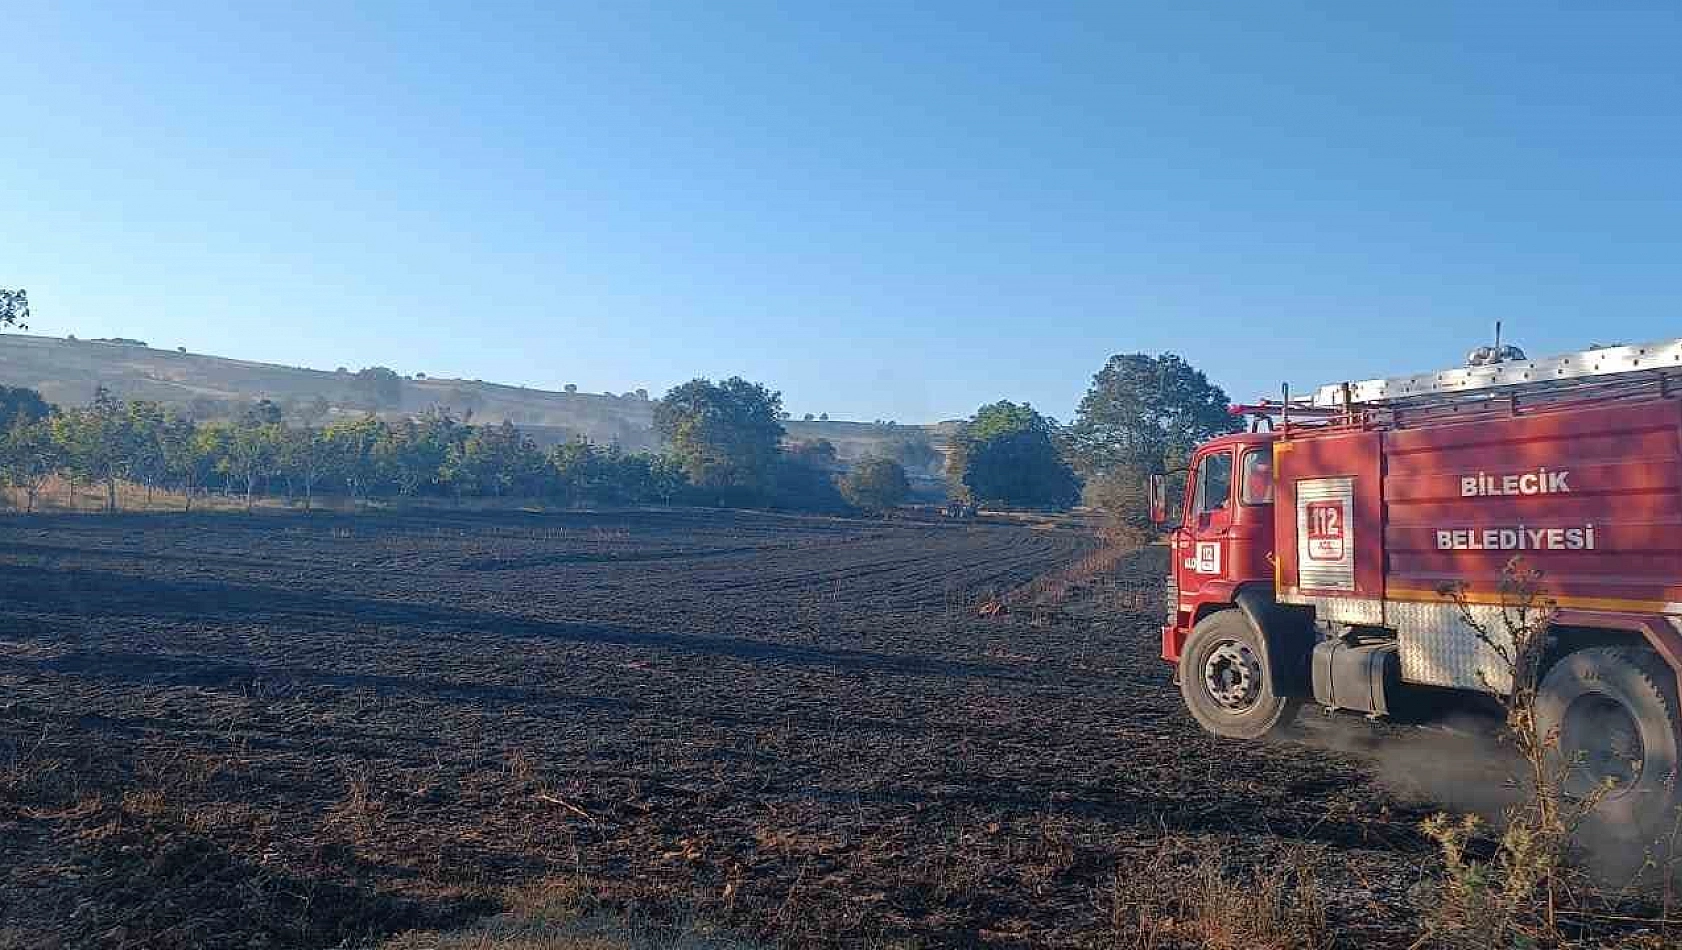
{"x": 1366, "y": 611}
{"x": 1438, "y": 649}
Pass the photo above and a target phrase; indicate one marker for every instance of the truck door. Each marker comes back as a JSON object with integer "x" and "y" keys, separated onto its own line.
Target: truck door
{"x": 1205, "y": 549}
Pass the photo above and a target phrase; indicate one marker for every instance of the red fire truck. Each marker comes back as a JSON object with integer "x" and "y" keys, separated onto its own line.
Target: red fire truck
{"x": 1310, "y": 555}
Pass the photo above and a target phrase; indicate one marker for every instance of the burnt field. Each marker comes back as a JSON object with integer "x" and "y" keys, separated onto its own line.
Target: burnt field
{"x": 281, "y": 731}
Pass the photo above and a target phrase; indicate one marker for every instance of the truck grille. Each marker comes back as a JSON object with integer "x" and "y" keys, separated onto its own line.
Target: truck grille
{"x": 1170, "y": 596}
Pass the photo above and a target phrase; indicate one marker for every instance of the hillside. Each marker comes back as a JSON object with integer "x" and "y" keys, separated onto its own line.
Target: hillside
{"x": 68, "y": 371}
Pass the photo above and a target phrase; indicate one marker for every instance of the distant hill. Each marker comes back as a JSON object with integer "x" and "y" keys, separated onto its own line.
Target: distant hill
{"x": 68, "y": 371}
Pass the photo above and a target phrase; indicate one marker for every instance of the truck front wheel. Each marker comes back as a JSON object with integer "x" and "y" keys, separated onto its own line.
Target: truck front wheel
{"x": 1610, "y": 715}
{"x": 1225, "y": 680}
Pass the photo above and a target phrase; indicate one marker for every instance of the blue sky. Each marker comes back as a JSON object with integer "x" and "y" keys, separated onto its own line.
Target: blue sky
{"x": 885, "y": 210}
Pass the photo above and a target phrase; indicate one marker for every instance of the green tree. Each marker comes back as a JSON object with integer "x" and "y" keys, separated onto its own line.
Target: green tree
{"x": 148, "y": 463}
{"x": 352, "y": 447}
{"x": 666, "y": 478}
{"x": 725, "y": 435}
{"x": 253, "y": 451}
{"x": 18, "y": 404}
{"x": 468, "y": 466}
{"x": 413, "y": 451}
{"x": 818, "y": 453}
{"x": 1143, "y": 411}
{"x": 97, "y": 443}
{"x": 875, "y": 484}
{"x": 191, "y": 453}
{"x": 579, "y": 471}
{"x": 377, "y": 387}
{"x": 29, "y": 456}
{"x": 306, "y": 456}
{"x": 582, "y": 471}
{"x": 804, "y": 479}
{"x": 528, "y": 470}
{"x": 624, "y": 477}
{"x": 495, "y": 461}
{"x": 1121, "y": 494}
{"x": 14, "y": 308}
{"x": 1006, "y": 454}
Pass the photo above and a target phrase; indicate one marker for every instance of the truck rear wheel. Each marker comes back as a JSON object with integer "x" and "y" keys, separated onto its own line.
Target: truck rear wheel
{"x": 1226, "y": 682}
{"x": 1613, "y": 714}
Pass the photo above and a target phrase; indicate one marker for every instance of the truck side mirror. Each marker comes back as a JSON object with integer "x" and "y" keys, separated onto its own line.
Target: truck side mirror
{"x": 1158, "y": 492}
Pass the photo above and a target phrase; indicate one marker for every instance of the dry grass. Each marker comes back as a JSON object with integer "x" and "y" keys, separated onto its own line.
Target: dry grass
{"x": 12, "y": 938}
{"x": 1045, "y": 594}
{"x": 56, "y": 496}
{"x": 1524, "y": 883}
{"x": 1186, "y": 896}
{"x": 563, "y": 915}
{"x": 33, "y": 772}
{"x": 1513, "y": 895}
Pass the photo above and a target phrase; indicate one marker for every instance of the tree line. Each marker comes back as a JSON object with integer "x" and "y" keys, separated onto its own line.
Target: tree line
{"x": 723, "y": 444}
{"x": 1142, "y": 414}
{"x": 725, "y": 447}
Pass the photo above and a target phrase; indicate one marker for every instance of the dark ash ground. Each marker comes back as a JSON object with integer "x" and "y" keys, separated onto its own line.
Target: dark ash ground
{"x": 282, "y": 731}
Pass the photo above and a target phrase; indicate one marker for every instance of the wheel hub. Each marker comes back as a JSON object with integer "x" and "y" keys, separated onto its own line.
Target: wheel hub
{"x": 1232, "y": 675}
{"x": 1601, "y": 742}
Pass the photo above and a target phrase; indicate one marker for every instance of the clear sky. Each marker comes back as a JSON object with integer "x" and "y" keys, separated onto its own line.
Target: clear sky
{"x": 894, "y": 210}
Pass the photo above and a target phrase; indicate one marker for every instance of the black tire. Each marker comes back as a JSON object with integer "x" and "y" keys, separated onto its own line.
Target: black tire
{"x": 1226, "y": 682}
{"x": 1612, "y": 713}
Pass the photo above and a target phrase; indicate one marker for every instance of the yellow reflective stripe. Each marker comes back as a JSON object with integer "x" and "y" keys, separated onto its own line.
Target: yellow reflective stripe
{"x": 1496, "y": 598}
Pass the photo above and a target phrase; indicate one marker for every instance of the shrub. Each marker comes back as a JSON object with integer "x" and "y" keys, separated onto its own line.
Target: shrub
{"x": 1124, "y": 499}
{"x": 875, "y": 485}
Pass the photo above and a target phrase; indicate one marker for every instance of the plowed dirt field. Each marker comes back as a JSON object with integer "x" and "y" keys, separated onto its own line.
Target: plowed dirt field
{"x": 289, "y": 731}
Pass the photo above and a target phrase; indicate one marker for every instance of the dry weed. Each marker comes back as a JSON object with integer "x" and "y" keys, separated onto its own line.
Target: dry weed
{"x": 1514, "y": 894}
{"x": 1166, "y": 903}
{"x": 564, "y": 914}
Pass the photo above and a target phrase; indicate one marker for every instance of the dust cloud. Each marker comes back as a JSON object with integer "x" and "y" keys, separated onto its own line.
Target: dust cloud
{"x": 1458, "y": 763}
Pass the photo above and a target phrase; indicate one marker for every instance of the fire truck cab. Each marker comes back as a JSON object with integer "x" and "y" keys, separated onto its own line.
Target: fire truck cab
{"x": 1355, "y": 555}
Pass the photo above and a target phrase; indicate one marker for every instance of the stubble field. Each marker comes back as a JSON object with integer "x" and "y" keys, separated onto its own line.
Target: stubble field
{"x": 288, "y": 731}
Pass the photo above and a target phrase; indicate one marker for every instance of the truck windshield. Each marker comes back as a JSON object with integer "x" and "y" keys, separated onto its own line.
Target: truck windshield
{"x": 1258, "y": 477}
